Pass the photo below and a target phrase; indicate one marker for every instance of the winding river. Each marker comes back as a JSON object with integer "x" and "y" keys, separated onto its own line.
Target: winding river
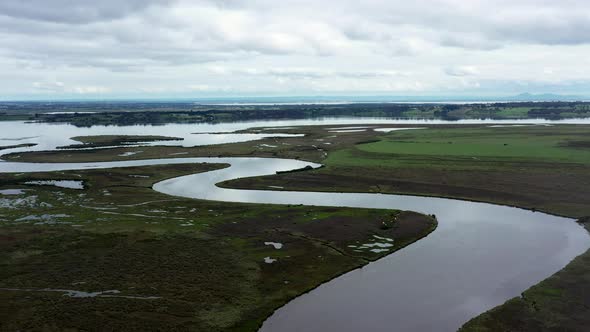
{"x": 479, "y": 256}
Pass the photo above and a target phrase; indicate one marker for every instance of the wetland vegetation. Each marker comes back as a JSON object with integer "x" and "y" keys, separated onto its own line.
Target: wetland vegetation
{"x": 176, "y": 264}
{"x": 118, "y": 221}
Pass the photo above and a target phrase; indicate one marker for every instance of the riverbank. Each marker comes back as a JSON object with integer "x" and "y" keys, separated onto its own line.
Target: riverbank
{"x": 558, "y": 303}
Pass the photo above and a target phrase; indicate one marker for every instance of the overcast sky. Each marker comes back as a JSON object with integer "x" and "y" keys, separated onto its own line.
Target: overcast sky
{"x": 159, "y": 48}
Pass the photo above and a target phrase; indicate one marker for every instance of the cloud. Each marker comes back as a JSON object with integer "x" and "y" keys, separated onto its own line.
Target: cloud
{"x": 49, "y": 86}
{"x": 89, "y": 90}
{"x": 207, "y": 88}
{"x": 462, "y": 71}
{"x": 60, "y": 87}
{"x": 303, "y": 45}
{"x": 129, "y": 34}
{"x": 73, "y": 11}
{"x": 303, "y": 73}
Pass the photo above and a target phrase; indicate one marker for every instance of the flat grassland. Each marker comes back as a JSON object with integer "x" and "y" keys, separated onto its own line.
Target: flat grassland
{"x": 537, "y": 144}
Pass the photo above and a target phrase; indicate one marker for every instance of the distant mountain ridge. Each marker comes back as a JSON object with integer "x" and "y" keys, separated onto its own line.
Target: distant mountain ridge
{"x": 544, "y": 97}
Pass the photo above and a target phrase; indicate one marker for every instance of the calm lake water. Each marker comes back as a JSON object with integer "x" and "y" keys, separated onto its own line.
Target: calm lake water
{"x": 50, "y": 136}
{"x": 480, "y": 255}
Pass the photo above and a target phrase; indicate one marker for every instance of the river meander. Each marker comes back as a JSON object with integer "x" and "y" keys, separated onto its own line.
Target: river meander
{"x": 479, "y": 256}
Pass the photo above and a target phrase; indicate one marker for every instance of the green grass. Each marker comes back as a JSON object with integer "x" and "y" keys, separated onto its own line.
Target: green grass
{"x": 541, "y": 144}
{"x": 513, "y": 112}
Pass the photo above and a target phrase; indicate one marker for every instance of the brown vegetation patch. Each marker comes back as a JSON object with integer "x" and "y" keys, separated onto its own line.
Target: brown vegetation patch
{"x": 577, "y": 144}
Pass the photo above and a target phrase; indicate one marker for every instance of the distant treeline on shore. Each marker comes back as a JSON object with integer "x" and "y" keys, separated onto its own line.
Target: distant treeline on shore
{"x": 128, "y": 113}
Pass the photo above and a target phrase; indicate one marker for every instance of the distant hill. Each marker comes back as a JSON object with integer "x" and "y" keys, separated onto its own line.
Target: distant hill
{"x": 544, "y": 97}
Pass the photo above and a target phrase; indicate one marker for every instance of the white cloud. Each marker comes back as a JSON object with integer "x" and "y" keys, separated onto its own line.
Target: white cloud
{"x": 49, "y": 86}
{"x": 89, "y": 90}
{"x": 302, "y": 72}
{"x": 207, "y": 88}
{"x": 292, "y": 46}
{"x": 462, "y": 71}
{"x": 60, "y": 87}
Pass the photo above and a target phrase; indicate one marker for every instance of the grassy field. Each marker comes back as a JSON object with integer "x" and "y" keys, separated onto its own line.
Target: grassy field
{"x": 528, "y": 144}
{"x": 525, "y": 144}
{"x": 156, "y": 262}
{"x": 513, "y": 112}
